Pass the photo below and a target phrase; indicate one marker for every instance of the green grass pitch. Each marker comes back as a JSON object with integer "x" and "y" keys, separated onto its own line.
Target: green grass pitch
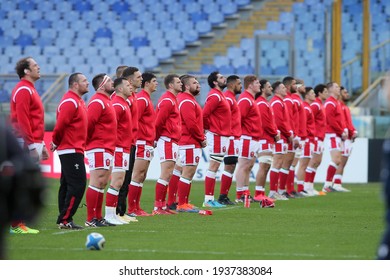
{"x": 338, "y": 226}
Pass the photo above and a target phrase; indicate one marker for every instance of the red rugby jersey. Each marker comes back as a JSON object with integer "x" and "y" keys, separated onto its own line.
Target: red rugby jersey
{"x": 146, "y": 118}
{"x": 250, "y": 116}
{"x": 168, "y": 122}
{"x": 235, "y": 128}
{"x": 27, "y": 113}
{"x": 319, "y": 118}
{"x": 124, "y": 123}
{"x": 310, "y": 122}
{"x": 70, "y": 131}
{"x": 101, "y": 123}
{"x": 216, "y": 113}
{"x": 348, "y": 120}
{"x": 282, "y": 118}
{"x": 335, "y": 122}
{"x": 192, "y": 120}
{"x": 267, "y": 119}
{"x": 132, "y": 101}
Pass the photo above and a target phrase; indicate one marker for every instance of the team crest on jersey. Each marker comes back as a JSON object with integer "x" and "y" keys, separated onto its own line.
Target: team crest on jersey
{"x": 197, "y": 159}
{"x": 108, "y": 162}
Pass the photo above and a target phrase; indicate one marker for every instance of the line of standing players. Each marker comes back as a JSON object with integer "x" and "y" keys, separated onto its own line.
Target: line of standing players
{"x": 120, "y": 128}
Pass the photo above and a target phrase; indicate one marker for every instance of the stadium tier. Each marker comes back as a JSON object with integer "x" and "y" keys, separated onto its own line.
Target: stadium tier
{"x": 64, "y": 36}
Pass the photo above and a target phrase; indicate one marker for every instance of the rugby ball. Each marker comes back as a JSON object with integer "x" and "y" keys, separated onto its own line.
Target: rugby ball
{"x": 95, "y": 241}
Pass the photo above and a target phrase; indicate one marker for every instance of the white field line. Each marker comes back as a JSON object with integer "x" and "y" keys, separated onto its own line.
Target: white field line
{"x": 184, "y": 252}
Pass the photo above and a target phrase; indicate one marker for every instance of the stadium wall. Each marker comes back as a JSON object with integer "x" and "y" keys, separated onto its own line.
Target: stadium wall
{"x": 362, "y": 167}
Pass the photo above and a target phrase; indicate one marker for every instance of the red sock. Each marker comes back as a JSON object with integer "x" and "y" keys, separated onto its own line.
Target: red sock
{"x": 161, "y": 186}
{"x": 183, "y": 190}
{"x": 209, "y": 183}
{"x": 112, "y": 197}
{"x": 290, "y": 180}
{"x": 331, "y": 171}
{"x": 283, "y": 174}
{"x": 337, "y": 179}
{"x": 308, "y": 174}
{"x": 312, "y": 177}
{"x": 188, "y": 192}
{"x": 132, "y": 197}
{"x": 273, "y": 179}
{"x": 172, "y": 189}
{"x": 226, "y": 182}
{"x": 257, "y": 193}
{"x": 138, "y": 198}
{"x": 99, "y": 205}
{"x": 91, "y": 198}
{"x": 300, "y": 186}
{"x": 239, "y": 193}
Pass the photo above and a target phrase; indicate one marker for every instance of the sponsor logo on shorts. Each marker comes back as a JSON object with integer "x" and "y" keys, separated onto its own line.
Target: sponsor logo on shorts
{"x": 108, "y": 162}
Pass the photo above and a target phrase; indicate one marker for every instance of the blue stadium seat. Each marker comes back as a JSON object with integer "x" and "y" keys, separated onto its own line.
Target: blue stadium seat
{"x": 220, "y": 61}
{"x": 192, "y": 7}
{"x": 128, "y": 17}
{"x": 11, "y": 50}
{"x": 44, "y": 41}
{"x": 229, "y": 9}
{"x": 242, "y": 3}
{"x": 24, "y": 40}
{"x": 51, "y": 51}
{"x": 203, "y": 27}
{"x": 150, "y": 62}
{"x": 121, "y": 7}
{"x": 26, "y": 6}
{"x": 41, "y": 24}
{"x": 34, "y": 15}
{"x": 108, "y": 52}
{"x": 103, "y": 32}
{"x": 227, "y": 70}
{"x": 163, "y": 53}
{"x": 177, "y": 45}
{"x": 190, "y": 36}
{"x": 6, "y": 41}
{"x": 139, "y": 42}
{"x": 216, "y": 18}
{"x": 244, "y": 70}
{"x": 82, "y": 6}
{"x": 144, "y": 51}
{"x": 208, "y": 68}
{"x": 198, "y": 16}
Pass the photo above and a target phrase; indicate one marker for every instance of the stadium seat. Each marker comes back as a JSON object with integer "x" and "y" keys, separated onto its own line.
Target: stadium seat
{"x": 139, "y": 42}
{"x": 6, "y": 41}
{"x": 203, "y": 27}
{"x": 82, "y": 6}
{"x": 103, "y": 32}
{"x": 41, "y": 24}
{"x": 150, "y": 62}
{"x": 44, "y": 41}
{"x": 24, "y": 40}
{"x": 207, "y": 68}
{"x": 244, "y": 70}
{"x": 226, "y": 70}
{"x": 26, "y": 6}
{"x": 219, "y": 61}
{"x": 190, "y": 36}
{"x": 177, "y": 45}
{"x": 32, "y": 51}
{"x": 163, "y": 53}
{"x": 121, "y": 7}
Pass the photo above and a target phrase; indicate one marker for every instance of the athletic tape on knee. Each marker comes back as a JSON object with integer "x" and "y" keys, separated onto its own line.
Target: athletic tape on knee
{"x": 218, "y": 158}
{"x": 266, "y": 159}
